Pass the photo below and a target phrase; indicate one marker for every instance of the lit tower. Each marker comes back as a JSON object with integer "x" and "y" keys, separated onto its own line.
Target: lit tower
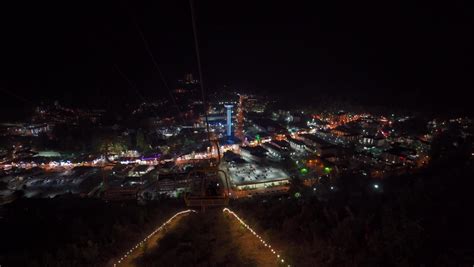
{"x": 229, "y": 119}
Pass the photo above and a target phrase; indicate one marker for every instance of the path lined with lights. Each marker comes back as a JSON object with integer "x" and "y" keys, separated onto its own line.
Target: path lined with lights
{"x": 268, "y": 246}
{"x": 127, "y": 254}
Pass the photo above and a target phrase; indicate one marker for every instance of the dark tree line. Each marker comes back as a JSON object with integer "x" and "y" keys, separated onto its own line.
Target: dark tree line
{"x": 74, "y": 232}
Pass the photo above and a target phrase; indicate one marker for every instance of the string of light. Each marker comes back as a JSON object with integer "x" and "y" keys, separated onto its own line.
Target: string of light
{"x": 279, "y": 258}
{"x": 129, "y": 252}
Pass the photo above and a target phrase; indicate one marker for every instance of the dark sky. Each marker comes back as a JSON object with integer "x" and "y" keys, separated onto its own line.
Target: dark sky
{"x": 388, "y": 52}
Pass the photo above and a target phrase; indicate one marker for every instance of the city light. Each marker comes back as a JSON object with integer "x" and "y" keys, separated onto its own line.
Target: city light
{"x": 304, "y": 171}
{"x": 326, "y": 161}
{"x": 254, "y": 233}
{"x": 129, "y": 252}
{"x": 327, "y": 170}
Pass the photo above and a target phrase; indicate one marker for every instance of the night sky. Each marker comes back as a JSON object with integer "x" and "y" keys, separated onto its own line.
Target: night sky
{"x": 381, "y": 52}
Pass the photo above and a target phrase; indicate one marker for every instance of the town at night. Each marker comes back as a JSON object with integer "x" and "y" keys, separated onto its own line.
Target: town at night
{"x": 195, "y": 133}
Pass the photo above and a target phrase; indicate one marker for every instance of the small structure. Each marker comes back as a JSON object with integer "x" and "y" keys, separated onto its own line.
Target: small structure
{"x": 229, "y": 133}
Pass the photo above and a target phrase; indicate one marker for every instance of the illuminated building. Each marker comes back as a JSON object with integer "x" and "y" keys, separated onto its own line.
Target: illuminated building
{"x": 29, "y": 130}
{"x": 372, "y": 141}
{"x": 297, "y": 145}
{"x": 229, "y": 120}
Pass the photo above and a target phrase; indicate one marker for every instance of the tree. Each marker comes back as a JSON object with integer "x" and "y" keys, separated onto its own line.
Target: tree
{"x": 111, "y": 145}
{"x": 3, "y": 185}
{"x": 142, "y": 144}
{"x": 450, "y": 148}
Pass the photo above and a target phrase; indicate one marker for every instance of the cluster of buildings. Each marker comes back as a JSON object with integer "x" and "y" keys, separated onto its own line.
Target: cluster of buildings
{"x": 260, "y": 149}
{"x": 23, "y": 129}
{"x": 56, "y": 114}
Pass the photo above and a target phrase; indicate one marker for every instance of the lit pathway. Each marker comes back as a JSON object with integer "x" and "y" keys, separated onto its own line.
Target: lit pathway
{"x": 149, "y": 242}
{"x": 230, "y": 229}
{"x": 254, "y": 245}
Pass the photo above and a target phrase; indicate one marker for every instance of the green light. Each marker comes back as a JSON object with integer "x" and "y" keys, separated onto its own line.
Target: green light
{"x": 257, "y": 137}
{"x": 297, "y": 195}
{"x": 304, "y": 171}
{"x": 327, "y": 169}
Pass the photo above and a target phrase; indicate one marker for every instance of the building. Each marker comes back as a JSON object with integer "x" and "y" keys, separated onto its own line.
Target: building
{"x": 258, "y": 138}
{"x": 229, "y": 132}
{"x": 297, "y": 145}
{"x": 318, "y": 145}
{"x": 172, "y": 184}
{"x": 29, "y": 130}
{"x": 372, "y": 141}
{"x": 346, "y": 134}
{"x": 269, "y": 126}
{"x": 140, "y": 170}
{"x": 282, "y": 144}
{"x": 275, "y": 150}
{"x": 264, "y": 184}
{"x": 256, "y": 153}
{"x": 399, "y": 155}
